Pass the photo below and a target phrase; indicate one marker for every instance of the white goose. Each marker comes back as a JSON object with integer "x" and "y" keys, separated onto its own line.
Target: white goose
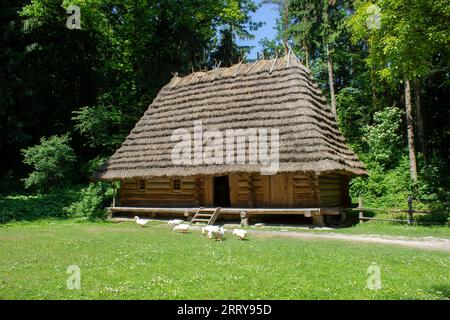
{"x": 141, "y": 222}
{"x": 175, "y": 222}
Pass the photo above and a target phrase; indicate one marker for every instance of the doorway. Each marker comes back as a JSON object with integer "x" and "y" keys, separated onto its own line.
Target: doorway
{"x": 221, "y": 192}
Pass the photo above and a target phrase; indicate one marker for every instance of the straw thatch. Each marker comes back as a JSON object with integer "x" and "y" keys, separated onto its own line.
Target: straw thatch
{"x": 277, "y": 93}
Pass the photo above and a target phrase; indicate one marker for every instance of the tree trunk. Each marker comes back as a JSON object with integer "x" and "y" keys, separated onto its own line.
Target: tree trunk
{"x": 331, "y": 80}
{"x": 410, "y": 130}
{"x": 286, "y": 26}
{"x": 419, "y": 119}
{"x": 307, "y": 56}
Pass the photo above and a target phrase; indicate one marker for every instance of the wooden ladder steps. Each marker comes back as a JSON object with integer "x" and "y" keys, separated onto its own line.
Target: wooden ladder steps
{"x": 206, "y": 215}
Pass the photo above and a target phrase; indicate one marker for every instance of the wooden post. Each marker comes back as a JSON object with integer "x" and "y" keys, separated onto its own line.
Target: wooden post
{"x": 114, "y": 195}
{"x": 360, "y": 206}
{"x": 317, "y": 220}
{"x": 244, "y": 218}
{"x": 198, "y": 191}
{"x": 187, "y": 215}
{"x": 109, "y": 214}
{"x": 410, "y": 210}
{"x": 251, "y": 191}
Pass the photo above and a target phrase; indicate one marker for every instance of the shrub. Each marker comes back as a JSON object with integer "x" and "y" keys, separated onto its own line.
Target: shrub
{"x": 91, "y": 202}
{"x": 20, "y": 207}
{"x": 433, "y": 188}
{"x": 384, "y": 137}
{"x": 384, "y": 188}
{"x": 90, "y": 167}
{"x": 52, "y": 161}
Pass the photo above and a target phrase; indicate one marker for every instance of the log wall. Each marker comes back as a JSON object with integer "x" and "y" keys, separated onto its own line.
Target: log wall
{"x": 293, "y": 190}
{"x": 158, "y": 192}
{"x": 330, "y": 190}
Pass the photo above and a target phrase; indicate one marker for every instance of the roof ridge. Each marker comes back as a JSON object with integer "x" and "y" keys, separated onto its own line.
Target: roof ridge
{"x": 241, "y": 68}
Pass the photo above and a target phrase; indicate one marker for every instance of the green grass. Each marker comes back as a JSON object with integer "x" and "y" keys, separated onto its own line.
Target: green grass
{"x": 124, "y": 261}
{"x": 398, "y": 229}
{"x": 382, "y": 228}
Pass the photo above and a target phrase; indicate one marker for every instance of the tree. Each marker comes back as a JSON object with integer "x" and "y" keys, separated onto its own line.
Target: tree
{"x": 284, "y": 22}
{"x": 52, "y": 161}
{"x": 97, "y": 81}
{"x": 402, "y": 45}
{"x": 317, "y": 27}
{"x": 305, "y": 27}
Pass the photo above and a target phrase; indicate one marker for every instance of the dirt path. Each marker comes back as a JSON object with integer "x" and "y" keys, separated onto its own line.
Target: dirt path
{"x": 428, "y": 243}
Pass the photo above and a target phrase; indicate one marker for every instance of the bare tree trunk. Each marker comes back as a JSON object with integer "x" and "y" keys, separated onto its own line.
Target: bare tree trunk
{"x": 307, "y": 56}
{"x": 286, "y": 26}
{"x": 419, "y": 119}
{"x": 331, "y": 80}
{"x": 410, "y": 131}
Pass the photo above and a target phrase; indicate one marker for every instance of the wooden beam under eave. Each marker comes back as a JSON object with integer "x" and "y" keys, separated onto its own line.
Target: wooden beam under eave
{"x": 316, "y": 189}
{"x": 199, "y": 199}
{"x": 251, "y": 191}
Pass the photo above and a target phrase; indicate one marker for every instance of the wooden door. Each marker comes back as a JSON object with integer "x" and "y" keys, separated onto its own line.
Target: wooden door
{"x": 278, "y": 191}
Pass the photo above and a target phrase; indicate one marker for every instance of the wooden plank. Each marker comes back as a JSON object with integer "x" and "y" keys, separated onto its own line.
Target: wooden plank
{"x": 316, "y": 189}
{"x": 233, "y": 182}
{"x": 290, "y": 190}
{"x": 198, "y": 191}
{"x": 278, "y": 194}
{"x": 208, "y": 183}
{"x": 223, "y": 210}
{"x": 345, "y": 192}
{"x": 251, "y": 194}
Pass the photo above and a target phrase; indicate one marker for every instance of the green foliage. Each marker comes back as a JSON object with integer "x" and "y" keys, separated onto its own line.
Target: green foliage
{"x": 105, "y": 74}
{"x": 52, "y": 161}
{"x": 96, "y": 123}
{"x": 390, "y": 188}
{"x": 409, "y": 34}
{"x": 353, "y": 115}
{"x": 91, "y": 166}
{"x": 434, "y": 188}
{"x": 384, "y": 137}
{"x": 228, "y": 53}
{"x": 85, "y": 202}
{"x": 384, "y": 188}
{"x": 91, "y": 202}
{"x": 31, "y": 207}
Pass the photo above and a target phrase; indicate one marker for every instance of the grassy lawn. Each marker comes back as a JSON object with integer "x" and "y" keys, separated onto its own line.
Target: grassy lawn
{"x": 124, "y": 261}
{"x": 380, "y": 228}
{"x": 398, "y": 229}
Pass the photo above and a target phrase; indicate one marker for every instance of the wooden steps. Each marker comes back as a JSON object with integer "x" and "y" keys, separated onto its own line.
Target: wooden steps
{"x": 206, "y": 215}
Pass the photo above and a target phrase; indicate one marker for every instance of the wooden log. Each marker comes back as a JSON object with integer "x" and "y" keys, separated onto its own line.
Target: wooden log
{"x": 198, "y": 191}
{"x": 187, "y": 215}
{"x": 316, "y": 189}
{"x": 317, "y": 220}
{"x": 252, "y": 211}
{"x": 251, "y": 191}
{"x": 360, "y": 205}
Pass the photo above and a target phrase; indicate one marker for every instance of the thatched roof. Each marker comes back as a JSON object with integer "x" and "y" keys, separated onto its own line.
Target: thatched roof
{"x": 277, "y": 93}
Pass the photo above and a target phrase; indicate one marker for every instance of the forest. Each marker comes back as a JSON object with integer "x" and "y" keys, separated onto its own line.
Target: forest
{"x": 69, "y": 95}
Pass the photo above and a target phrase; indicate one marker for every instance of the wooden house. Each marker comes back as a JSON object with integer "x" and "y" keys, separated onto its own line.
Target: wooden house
{"x": 315, "y": 164}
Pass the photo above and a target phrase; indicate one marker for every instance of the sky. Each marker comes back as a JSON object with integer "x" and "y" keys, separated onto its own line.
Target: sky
{"x": 266, "y": 13}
